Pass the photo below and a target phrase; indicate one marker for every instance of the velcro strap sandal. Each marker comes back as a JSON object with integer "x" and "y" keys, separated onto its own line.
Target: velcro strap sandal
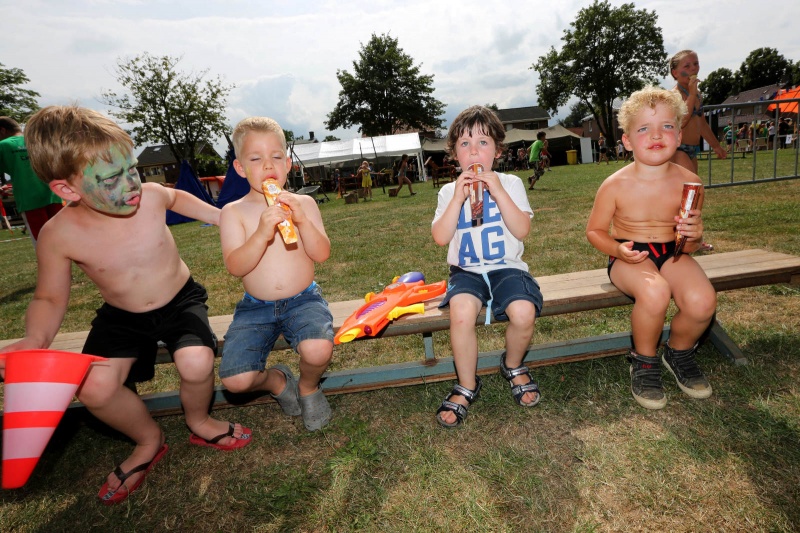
{"x": 518, "y": 391}
{"x": 459, "y": 410}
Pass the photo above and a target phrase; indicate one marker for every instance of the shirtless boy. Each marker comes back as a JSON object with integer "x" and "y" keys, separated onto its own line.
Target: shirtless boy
{"x": 114, "y": 229}
{"x": 641, "y": 204}
{"x": 280, "y": 296}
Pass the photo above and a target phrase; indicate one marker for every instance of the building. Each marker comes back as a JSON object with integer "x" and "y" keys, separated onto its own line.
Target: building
{"x": 524, "y": 118}
{"x": 157, "y": 164}
{"x": 753, "y": 111}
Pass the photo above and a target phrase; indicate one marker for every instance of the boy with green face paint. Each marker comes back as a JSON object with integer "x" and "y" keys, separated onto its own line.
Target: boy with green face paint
{"x": 114, "y": 229}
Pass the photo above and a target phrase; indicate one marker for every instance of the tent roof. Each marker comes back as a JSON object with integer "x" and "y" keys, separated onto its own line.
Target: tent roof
{"x": 366, "y": 147}
{"x": 513, "y": 136}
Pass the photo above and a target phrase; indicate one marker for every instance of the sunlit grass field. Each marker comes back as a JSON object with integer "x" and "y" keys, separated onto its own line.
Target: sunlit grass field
{"x": 586, "y": 459}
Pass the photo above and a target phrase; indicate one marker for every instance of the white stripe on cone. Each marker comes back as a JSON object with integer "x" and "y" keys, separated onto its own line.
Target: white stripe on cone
{"x": 25, "y": 443}
{"x": 38, "y": 396}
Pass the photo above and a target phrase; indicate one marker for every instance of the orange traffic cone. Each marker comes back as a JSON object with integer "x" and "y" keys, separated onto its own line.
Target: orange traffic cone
{"x": 39, "y": 385}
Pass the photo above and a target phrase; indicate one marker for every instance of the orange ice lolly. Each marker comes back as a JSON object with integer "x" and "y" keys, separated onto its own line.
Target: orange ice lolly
{"x": 271, "y": 190}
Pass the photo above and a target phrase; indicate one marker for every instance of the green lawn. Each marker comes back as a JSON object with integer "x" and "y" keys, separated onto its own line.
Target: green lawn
{"x": 586, "y": 459}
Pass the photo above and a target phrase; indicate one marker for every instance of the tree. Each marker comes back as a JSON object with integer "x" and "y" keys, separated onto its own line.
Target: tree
{"x": 607, "y": 54}
{"x": 717, "y": 86}
{"x": 577, "y": 112}
{"x": 16, "y": 102}
{"x": 289, "y": 134}
{"x": 165, "y": 106}
{"x": 386, "y": 92}
{"x": 331, "y": 138}
{"x": 764, "y": 66}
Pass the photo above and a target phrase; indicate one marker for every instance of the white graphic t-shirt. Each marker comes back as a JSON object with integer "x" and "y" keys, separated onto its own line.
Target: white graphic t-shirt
{"x": 490, "y": 246}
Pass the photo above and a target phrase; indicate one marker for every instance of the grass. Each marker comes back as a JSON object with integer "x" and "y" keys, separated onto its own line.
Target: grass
{"x": 586, "y": 459}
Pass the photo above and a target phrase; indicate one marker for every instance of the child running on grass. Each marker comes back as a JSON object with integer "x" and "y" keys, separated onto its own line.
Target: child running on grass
{"x": 641, "y": 203}
{"x": 114, "y": 229}
{"x": 281, "y": 296}
{"x": 486, "y": 266}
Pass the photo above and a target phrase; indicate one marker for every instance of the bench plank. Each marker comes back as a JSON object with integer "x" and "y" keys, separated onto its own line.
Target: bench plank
{"x": 563, "y": 293}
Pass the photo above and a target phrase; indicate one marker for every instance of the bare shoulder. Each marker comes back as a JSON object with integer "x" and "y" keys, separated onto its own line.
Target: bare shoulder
{"x": 683, "y": 174}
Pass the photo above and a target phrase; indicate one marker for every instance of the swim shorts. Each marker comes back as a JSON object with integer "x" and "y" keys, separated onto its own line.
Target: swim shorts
{"x": 181, "y": 323}
{"x": 659, "y": 252}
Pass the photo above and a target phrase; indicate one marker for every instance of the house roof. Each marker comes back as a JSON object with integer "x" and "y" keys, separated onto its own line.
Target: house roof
{"x": 754, "y": 95}
{"x": 161, "y": 155}
{"x": 522, "y": 114}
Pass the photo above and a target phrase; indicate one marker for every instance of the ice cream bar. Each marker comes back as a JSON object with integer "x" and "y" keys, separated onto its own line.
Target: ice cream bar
{"x": 691, "y": 194}
{"x": 476, "y": 195}
{"x": 271, "y": 190}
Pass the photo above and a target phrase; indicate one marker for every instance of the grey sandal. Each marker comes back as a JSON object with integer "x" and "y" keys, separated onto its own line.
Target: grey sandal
{"x": 518, "y": 391}
{"x": 316, "y": 410}
{"x": 289, "y": 398}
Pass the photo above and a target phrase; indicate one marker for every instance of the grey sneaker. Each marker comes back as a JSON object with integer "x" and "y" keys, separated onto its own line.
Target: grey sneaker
{"x": 646, "y": 381}
{"x": 683, "y": 366}
{"x": 289, "y": 398}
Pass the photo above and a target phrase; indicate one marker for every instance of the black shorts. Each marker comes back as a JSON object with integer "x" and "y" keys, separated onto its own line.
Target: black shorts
{"x": 659, "y": 252}
{"x": 183, "y": 322}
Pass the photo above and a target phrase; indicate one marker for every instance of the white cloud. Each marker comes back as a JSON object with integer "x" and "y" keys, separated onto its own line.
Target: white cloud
{"x": 283, "y": 55}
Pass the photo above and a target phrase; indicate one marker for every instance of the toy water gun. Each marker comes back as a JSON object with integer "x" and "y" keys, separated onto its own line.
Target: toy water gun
{"x": 403, "y": 296}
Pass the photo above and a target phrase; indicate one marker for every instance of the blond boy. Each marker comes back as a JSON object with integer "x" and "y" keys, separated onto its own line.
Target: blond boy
{"x": 114, "y": 229}
{"x": 281, "y": 296}
{"x": 641, "y": 204}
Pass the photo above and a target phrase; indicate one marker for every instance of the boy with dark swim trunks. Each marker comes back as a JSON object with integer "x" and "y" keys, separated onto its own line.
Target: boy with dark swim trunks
{"x": 641, "y": 203}
{"x": 113, "y": 228}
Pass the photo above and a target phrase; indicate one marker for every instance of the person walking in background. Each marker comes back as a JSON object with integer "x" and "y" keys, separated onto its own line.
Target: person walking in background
{"x": 35, "y": 201}
{"x": 602, "y": 149}
{"x": 401, "y": 175}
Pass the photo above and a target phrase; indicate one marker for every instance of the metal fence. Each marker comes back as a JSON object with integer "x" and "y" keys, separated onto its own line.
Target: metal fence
{"x": 752, "y": 161}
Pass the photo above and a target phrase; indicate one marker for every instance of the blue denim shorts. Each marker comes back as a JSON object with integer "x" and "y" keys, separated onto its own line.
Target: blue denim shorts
{"x": 257, "y": 324}
{"x": 507, "y": 285}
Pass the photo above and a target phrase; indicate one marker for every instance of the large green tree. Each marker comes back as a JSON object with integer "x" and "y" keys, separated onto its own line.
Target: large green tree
{"x": 717, "y": 86}
{"x": 763, "y": 66}
{"x": 386, "y": 92}
{"x": 608, "y": 53}
{"x": 577, "y": 112}
{"x": 166, "y": 106}
{"x": 15, "y": 101}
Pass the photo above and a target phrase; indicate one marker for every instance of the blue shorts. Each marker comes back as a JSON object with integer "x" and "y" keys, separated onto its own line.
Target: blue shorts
{"x": 507, "y": 285}
{"x": 257, "y": 324}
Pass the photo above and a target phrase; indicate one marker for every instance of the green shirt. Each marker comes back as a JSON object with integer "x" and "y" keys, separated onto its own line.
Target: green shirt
{"x": 536, "y": 150}
{"x": 29, "y": 191}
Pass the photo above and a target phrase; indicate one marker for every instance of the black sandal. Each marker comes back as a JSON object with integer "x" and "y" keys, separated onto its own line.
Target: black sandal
{"x": 518, "y": 391}
{"x": 459, "y": 410}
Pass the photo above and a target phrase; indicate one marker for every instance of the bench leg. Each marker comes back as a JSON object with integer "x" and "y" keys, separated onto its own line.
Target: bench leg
{"x": 725, "y": 345}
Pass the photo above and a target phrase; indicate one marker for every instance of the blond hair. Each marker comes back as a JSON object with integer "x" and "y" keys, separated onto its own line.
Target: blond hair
{"x": 674, "y": 60}
{"x": 650, "y": 97}
{"x": 63, "y": 140}
{"x": 260, "y": 124}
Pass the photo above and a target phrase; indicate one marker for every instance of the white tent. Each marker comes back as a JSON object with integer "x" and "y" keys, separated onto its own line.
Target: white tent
{"x": 325, "y": 153}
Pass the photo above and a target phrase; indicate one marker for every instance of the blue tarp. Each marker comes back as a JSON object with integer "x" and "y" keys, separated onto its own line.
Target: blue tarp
{"x": 188, "y": 182}
{"x": 234, "y": 186}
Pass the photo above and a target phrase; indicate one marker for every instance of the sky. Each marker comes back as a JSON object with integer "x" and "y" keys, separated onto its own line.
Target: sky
{"x": 282, "y": 56}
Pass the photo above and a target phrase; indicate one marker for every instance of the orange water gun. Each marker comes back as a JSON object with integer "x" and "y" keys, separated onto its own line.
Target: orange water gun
{"x": 403, "y": 296}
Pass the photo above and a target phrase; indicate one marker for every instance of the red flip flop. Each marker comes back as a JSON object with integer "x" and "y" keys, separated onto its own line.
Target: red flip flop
{"x": 111, "y": 497}
{"x": 238, "y": 442}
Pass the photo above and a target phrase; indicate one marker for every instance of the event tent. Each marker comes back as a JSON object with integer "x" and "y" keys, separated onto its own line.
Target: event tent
{"x": 371, "y": 148}
{"x": 560, "y": 138}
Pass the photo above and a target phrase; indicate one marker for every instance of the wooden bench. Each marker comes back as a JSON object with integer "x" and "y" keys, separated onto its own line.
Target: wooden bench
{"x": 563, "y": 293}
